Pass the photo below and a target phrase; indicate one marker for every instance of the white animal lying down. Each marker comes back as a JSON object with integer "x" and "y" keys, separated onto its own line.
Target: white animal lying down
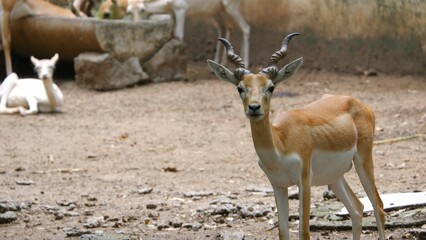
{"x": 32, "y": 95}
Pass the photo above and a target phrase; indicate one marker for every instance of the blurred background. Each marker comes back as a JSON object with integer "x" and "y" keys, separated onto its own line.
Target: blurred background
{"x": 388, "y": 36}
{"x": 337, "y": 35}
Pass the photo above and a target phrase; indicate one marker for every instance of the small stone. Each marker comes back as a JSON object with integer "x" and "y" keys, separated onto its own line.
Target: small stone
{"x": 162, "y": 226}
{"x": 176, "y": 223}
{"x": 92, "y": 223}
{"x": 25, "y": 182}
{"x": 92, "y": 199}
{"x": 75, "y": 232}
{"x": 260, "y": 190}
{"x": 8, "y": 217}
{"x": 193, "y": 226}
{"x": 71, "y": 207}
{"x": 88, "y": 213}
{"x": 71, "y": 214}
{"x": 327, "y": 195}
{"x": 293, "y": 195}
{"x": 9, "y": 206}
{"x": 59, "y": 215}
{"x": 151, "y": 206}
{"x": 239, "y": 235}
{"x": 20, "y": 169}
{"x": 197, "y": 194}
{"x": 371, "y": 72}
{"x": 51, "y": 208}
{"x": 144, "y": 190}
{"x": 65, "y": 203}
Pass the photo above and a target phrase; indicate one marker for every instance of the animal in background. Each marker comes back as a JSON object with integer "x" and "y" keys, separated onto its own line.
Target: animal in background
{"x": 112, "y": 9}
{"x": 311, "y": 146}
{"x": 224, "y": 14}
{"x": 30, "y": 95}
{"x": 17, "y": 9}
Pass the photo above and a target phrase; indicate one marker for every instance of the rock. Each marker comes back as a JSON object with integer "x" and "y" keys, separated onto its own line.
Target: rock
{"x": 293, "y": 195}
{"x": 75, "y": 232}
{"x": 327, "y": 195}
{"x": 127, "y": 46}
{"x": 225, "y": 209}
{"x": 260, "y": 190}
{"x": 8, "y": 217}
{"x": 13, "y": 206}
{"x": 51, "y": 208}
{"x": 371, "y": 72}
{"x": 93, "y": 223}
{"x": 192, "y": 226}
{"x": 162, "y": 226}
{"x": 103, "y": 72}
{"x": 238, "y": 235}
{"x": 176, "y": 223}
{"x": 144, "y": 190}
{"x": 59, "y": 215}
{"x": 25, "y": 182}
{"x": 151, "y": 206}
{"x": 125, "y": 39}
{"x": 197, "y": 194}
{"x": 65, "y": 203}
{"x": 107, "y": 236}
{"x": 168, "y": 64}
{"x": 71, "y": 214}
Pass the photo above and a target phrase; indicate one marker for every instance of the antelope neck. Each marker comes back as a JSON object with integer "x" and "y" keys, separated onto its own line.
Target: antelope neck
{"x": 262, "y": 134}
{"x": 48, "y": 86}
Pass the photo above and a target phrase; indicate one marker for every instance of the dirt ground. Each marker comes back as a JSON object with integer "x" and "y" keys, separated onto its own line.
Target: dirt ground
{"x": 152, "y": 161}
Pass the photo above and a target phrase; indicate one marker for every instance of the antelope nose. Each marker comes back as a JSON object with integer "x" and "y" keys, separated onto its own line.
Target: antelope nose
{"x": 254, "y": 107}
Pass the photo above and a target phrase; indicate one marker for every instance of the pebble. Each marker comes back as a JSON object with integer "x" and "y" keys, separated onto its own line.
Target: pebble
{"x": 107, "y": 236}
{"x": 192, "y": 226}
{"x": 93, "y": 223}
{"x": 162, "y": 226}
{"x": 75, "y": 232}
{"x": 14, "y": 206}
{"x": 327, "y": 195}
{"x": 197, "y": 194}
{"x": 144, "y": 190}
{"x": 176, "y": 223}
{"x": 8, "y": 217}
{"x": 238, "y": 235}
{"x": 25, "y": 182}
{"x": 151, "y": 206}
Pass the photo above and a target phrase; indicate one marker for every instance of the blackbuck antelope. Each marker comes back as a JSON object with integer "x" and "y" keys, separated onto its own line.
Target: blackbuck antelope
{"x": 314, "y": 145}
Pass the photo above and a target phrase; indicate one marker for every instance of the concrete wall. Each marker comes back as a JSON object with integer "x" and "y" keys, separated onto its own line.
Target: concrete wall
{"x": 342, "y": 35}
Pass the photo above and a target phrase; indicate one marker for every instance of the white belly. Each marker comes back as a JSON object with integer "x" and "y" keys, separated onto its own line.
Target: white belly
{"x": 326, "y": 167}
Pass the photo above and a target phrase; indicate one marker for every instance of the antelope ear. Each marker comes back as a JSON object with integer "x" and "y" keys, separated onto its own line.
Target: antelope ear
{"x": 34, "y": 60}
{"x": 55, "y": 58}
{"x": 222, "y": 72}
{"x": 288, "y": 70}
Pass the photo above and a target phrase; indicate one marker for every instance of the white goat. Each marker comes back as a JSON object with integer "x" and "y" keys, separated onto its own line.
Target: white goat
{"x": 31, "y": 95}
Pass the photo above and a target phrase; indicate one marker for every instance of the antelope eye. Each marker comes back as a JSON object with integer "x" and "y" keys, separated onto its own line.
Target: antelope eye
{"x": 271, "y": 89}
{"x": 240, "y": 90}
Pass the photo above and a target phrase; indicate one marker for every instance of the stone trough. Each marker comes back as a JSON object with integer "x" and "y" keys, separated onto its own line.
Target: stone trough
{"x": 107, "y": 54}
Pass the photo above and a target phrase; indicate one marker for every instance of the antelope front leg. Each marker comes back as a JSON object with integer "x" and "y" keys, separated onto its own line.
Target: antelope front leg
{"x": 179, "y": 9}
{"x": 6, "y": 38}
{"x": 304, "y": 205}
{"x": 281, "y": 199}
{"x": 33, "y": 108}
